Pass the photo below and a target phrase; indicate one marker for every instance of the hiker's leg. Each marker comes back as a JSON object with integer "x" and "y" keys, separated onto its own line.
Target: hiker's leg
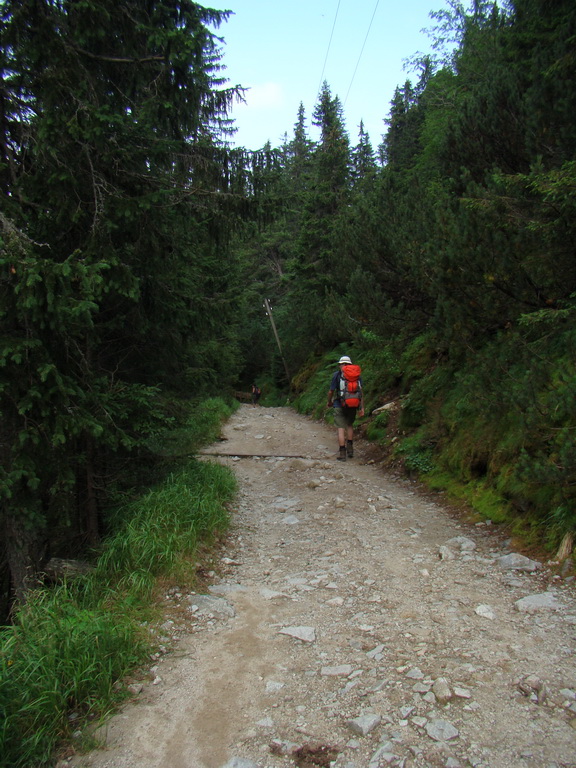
{"x": 341, "y": 424}
{"x": 350, "y": 433}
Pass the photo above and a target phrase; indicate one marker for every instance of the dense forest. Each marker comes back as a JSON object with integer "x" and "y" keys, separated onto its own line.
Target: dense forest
{"x": 137, "y": 247}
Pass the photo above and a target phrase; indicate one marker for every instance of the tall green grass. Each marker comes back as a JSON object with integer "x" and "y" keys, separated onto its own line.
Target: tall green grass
{"x": 164, "y": 526}
{"x": 57, "y": 659}
{"x": 200, "y": 426}
{"x": 70, "y": 645}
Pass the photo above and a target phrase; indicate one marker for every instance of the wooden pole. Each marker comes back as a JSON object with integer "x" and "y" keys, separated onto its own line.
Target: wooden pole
{"x": 269, "y": 313}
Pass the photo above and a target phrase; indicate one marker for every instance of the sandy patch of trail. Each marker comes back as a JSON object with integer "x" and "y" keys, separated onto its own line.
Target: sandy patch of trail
{"x": 354, "y": 621}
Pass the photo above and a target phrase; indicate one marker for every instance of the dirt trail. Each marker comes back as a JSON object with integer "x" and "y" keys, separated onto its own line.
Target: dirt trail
{"x": 354, "y": 623}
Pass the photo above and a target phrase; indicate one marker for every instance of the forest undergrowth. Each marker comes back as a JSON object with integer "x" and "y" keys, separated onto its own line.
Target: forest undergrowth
{"x": 480, "y": 433}
{"x": 70, "y": 647}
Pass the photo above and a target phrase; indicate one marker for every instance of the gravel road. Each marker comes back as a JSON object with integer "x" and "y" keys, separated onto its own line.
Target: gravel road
{"x": 352, "y": 621}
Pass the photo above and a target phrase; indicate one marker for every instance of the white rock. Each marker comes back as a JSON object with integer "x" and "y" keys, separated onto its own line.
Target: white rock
{"x": 441, "y": 730}
{"x": 306, "y": 634}
{"x": 240, "y": 762}
{"x": 485, "y": 611}
{"x": 285, "y": 747}
{"x": 518, "y": 563}
{"x": 266, "y": 722}
{"x": 364, "y": 724}
{"x": 335, "y": 601}
{"x": 375, "y": 651}
{"x": 383, "y": 754}
{"x": 463, "y": 543}
{"x": 415, "y": 673}
{"x": 445, "y": 553}
{"x": 271, "y": 594}
{"x": 207, "y": 604}
{"x": 419, "y": 721}
{"x": 290, "y": 520}
{"x": 343, "y": 670}
{"x": 429, "y": 697}
{"x": 545, "y": 601}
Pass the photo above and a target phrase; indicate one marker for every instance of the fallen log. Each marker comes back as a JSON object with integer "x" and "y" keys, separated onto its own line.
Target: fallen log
{"x": 262, "y": 455}
{"x": 386, "y": 407}
{"x": 565, "y": 549}
{"x": 59, "y": 569}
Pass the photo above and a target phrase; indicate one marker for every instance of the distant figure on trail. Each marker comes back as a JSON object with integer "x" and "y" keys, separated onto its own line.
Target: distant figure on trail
{"x": 256, "y": 392}
{"x": 346, "y": 396}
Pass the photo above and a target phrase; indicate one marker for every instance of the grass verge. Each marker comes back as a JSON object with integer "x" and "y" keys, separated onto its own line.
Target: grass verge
{"x": 69, "y": 647}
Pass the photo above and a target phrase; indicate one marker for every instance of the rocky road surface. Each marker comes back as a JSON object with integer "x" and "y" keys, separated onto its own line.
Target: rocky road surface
{"x": 353, "y": 621}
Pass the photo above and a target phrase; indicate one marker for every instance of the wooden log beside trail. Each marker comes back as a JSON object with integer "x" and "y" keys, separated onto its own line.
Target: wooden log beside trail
{"x": 58, "y": 569}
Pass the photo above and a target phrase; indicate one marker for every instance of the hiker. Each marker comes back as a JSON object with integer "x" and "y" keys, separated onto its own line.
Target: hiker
{"x": 345, "y": 395}
{"x": 256, "y": 392}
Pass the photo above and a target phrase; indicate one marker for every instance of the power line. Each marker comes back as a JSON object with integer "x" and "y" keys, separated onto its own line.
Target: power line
{"x": 362, "y": 51}
{"x": 328, "y": 50}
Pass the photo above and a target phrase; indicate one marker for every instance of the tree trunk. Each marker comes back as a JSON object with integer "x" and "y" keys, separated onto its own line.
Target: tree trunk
{"x": 23, "y": 545}
{"x": 92, "y": 525}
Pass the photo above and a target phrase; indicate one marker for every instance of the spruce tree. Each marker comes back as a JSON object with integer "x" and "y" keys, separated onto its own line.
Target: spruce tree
{"x": 114, "y": 120}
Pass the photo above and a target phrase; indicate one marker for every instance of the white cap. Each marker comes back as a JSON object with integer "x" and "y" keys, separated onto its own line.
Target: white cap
{"x": 344, "y": 360}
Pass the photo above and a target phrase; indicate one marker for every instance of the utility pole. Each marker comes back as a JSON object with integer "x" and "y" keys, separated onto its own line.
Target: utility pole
{"x": 268, "y": 309}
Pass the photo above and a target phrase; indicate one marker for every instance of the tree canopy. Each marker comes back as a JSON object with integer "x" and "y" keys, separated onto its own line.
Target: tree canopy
{"x": 137, "y": 249}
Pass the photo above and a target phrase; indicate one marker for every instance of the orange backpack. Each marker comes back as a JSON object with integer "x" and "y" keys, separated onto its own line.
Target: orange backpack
{"x": 350, "y": 387}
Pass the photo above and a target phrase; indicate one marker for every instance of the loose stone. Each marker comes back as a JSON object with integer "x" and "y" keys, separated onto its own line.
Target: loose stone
{"x": 441, "y": 690}
{"x": 485, "y": 611}
{"x": 463, "y": 543}
{"x": 441, "y": 730}
{"x": 343, "y": 670}
{"x": 306, "y": 634}
{"x": 364, "y": 724}
{"x": 207, "y": 604}
{"x": 518, "y": 563}
{"x": 419, "y": 721}
{"x": 415, "y": 673}
{"x": 545, "y": 601}
{"x": 240, "y": 762}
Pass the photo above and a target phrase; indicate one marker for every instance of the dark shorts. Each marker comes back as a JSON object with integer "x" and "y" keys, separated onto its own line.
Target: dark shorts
{"x": 344, "y": 417}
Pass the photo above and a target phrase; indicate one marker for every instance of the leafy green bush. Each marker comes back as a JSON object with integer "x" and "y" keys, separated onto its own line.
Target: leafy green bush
{"x": 376, "y": 429}
{"x": 199, "y": 425}
{"x": 416, "y": 453}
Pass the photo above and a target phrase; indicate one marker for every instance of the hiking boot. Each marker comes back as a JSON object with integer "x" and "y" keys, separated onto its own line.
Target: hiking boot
{"x": 342, "y": 453}
{"x": 350, "y": 449}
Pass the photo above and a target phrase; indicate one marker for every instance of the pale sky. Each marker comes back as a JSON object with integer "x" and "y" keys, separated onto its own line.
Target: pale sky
{"x": 282, "y": 51}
